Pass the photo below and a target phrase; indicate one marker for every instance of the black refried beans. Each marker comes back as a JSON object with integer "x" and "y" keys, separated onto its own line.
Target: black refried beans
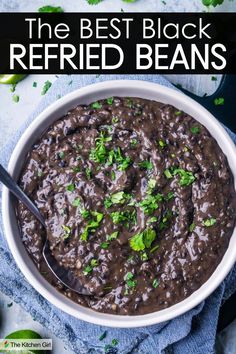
{"x": 138, "y": 199}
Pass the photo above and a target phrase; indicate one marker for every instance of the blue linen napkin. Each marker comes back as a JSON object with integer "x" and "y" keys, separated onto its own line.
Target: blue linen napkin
{"x": 193, "y": 332}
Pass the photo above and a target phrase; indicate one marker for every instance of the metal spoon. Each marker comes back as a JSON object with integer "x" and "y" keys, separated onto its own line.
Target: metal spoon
{"x": 64, "y": 275}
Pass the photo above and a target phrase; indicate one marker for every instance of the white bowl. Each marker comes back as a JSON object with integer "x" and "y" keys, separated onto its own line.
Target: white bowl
{"x": 44, "y": 120}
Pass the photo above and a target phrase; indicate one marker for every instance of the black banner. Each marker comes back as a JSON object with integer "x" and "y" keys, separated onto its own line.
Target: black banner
{"x": 144, "y": 43}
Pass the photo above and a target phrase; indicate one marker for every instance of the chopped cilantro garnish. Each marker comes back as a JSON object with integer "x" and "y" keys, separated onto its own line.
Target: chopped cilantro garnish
{"x": 151, "y": 185}
{"x": 50, "y": 9}
{"x": 113, "y": 176}
{"x": 147, "y": 165}
{"x": 115, "y": 120}
{"x": 152, "y": 220}
{"x": 213, "y": 78}
{"x": 195, "y": 130}
{"x": 104, "y": 245}
{"x": 167, "y": 173}
{"x": 99, "y": 153}
{"x": 89, "y": 268}
{"x": 114, "y": 342}
{"x": 155, "y": 283}
{"x": 219, "y": 101}
{"x": 212, "y": 2}
{"x": 143, "y": 240}
{"x": 123, "y": 216}
{"x": 154, "y": 248}
{"x": 178, "y": 113}
{"x": 115, "y": 156}
{"x": 162, "y": 143}
{"x": 150, "y": 203}
{"x": 186, "y": 177}
{"x": 96, "y": 105}
{"x": 92, "y": 225}
{"x": 133, "y": 142}
{"x": 76, "y": 202}
{"x": 117, "y": 198}
{"x": 169, "y": 196}
{"x": 16, "y": 98}
{"x": 70, "y": 187}
{"x": 84, "y": 213}
{"x": 192, "y": 227}
{"x": 67, "y": 231}
{"x": 110, "y": 100}
{"x": 129, "y": 279}
{"x": 94, "y": 2}
{"x": 61, "y": 154}
{"x": 144, "y": 257}
{"x": 113, "y": 236}
{"x": 209, "y": 222}
{"x": 88, "y": 173}
{"x": 103, "y": 335}
{"x": 46, "y": 87}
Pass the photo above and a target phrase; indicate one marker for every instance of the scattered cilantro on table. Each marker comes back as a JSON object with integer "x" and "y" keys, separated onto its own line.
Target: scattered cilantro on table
{"x": 50, "y": 9}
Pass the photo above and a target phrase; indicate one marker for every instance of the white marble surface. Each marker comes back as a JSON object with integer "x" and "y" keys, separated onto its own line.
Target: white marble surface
{"x": 12, "y": 115}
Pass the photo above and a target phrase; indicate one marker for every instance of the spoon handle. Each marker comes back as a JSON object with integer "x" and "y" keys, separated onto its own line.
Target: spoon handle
{"x": 8, "y": 181}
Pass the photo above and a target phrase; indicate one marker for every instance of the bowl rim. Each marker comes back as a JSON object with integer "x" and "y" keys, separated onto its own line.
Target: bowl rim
{"x": 46, "y": 289}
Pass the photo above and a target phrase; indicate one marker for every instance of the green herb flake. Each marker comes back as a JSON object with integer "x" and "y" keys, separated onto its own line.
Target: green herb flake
{"x": 154, "y": 248}
{"x": 213, "y": 3}
{"x": 103, "y": 336}
{"x": 168, "y": 174}
{"x": 92, "y": 225}
{"x": 143, "y": 240}
{"x": 162, "y": 143}
{"x": 192, "y": 227}
{"x": 178, "y": 113}
{"x": 50, "y": 9}
{"x": 114, "y": 342}
{"x": 144, "y": 257}
{"x": 67, "y": 231}
{"x": 151, "y": 185}
{"x": 96, "y": 105}
{"x": 117, "y": 198}
{"x": 16, "y": 98}
{"x": 126, "y": 217}
{"x": 129, "y": 279}
{"x": 150, "y": 203}
{"x": 147, "y": 165}
{"x": 113, "y": 176}
{"x": 195, "y": 130}
{"x": 113, "y": 236}
{"x": 88, "y": 173}
{"x": 46, "y": 87}
{"x": 94, "y": 2}
{"x": 76, "y": 202}
{"x": 114, "y": 120}
{"x": 61, "y": 154}
{"x": 209, "y": 222}
{"x": 10, "y": 304}
{"x": 34, "y": 84}
{"x": 110, "y": 100}
{"x": 134, "y": 142}
{"x": 89, "y": 268}
{"x": 219, "y": 101}
{"x": 104, "y": 245}
{"x": 186, "y": 177}
{"x": 155, "y": 283}
{"x": 213, "y": 78}
{"x": 70, "y": 187}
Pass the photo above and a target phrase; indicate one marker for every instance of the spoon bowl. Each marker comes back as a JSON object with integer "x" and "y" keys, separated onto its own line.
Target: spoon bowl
{"x": 64, "y": 275}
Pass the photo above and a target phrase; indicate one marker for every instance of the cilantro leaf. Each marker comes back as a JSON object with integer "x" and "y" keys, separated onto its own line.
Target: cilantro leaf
{"x": 50, "y": 9}
{"x": 143, "y": 240}
{"x": 117, "y": 198}
{"x": 46, "y": 87}
{"x": 94, "y": 2}
{"x": 212, "y": 2}
{"x": 219, "y": 101}
{"x": 209, "y": 222}
{"x": 92, "y": 225}
{"x": 147, "y": 165}
{"x": 150, "y": 203}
